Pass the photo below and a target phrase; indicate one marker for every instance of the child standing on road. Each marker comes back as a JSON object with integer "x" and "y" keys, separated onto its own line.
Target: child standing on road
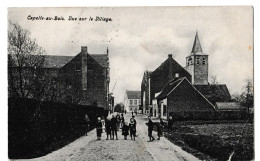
{"x": 133, "y": 117}
{"x": 150, "y": 129}
{"x": 132, "y": 127}
{"x": 114, "y": 127}
{"x": 99, "y": 128}
{"x": 108, "y": 127}
{"x": 160, "y": 128}
{"x": 87, "y": 124}
{"x": 125, "y": 130}
{"x": 103, "y": 124}
{"x": 122, "y": 120}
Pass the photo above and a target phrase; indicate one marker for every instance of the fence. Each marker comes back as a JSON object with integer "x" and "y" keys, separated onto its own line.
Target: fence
{"x": 36, "y": 128}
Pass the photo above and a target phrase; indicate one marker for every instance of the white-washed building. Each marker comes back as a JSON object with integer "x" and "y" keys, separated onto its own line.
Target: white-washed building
{"x": 132, "y": 100}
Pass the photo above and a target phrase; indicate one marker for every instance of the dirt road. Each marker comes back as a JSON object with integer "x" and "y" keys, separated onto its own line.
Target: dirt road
{"x": 87, "y": 148}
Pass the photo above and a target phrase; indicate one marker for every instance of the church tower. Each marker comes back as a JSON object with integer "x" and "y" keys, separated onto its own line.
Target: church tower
{"x": 197, "y": 64}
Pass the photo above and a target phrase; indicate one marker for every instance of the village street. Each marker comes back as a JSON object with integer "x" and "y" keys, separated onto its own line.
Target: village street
{"x": 88, "y": 148}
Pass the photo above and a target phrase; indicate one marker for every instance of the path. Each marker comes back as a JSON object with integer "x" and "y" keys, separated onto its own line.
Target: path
{"x": 87, "y": 148}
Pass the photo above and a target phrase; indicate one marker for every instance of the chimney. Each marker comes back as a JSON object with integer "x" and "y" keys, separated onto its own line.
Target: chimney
{"x": 170, "y": 55}
{"x": 84, "y": 49}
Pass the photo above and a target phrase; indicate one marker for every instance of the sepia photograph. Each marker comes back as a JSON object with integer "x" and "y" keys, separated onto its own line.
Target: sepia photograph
{"x": 131, "y": 83}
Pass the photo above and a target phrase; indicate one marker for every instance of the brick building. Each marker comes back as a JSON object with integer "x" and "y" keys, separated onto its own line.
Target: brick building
{"x": 153, "y": 82}
{"x": 82, "y": 79}
{"x": 173, "y": 88}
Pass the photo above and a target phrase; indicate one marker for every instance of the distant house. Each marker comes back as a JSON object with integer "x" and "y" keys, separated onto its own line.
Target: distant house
{"x": 173, "y": 88}
{"x": 132, "y": 100}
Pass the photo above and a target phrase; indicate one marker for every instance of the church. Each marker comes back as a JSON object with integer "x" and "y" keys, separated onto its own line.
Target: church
{"x": 172, "y": 89}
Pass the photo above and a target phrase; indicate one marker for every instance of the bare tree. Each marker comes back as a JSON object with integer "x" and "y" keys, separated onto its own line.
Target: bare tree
{"x": 25, "y": 63}
{"x": 214, "y": 79}
{"x": 246, "y": 99}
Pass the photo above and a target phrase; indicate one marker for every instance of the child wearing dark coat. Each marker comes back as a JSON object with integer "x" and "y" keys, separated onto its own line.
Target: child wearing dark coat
{"x": 108, "y": 127}
{"x": 150, "y": 129}
{"x": 125, "y": 130}
{"x": 113, "y": 124}
{"x": 132, "y": 127}
{"x": 160, "y": 126}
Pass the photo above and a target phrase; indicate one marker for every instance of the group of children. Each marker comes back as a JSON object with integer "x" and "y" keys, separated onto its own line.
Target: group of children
{"x": 150, "y": 125}
{"x": 112, "y": 125}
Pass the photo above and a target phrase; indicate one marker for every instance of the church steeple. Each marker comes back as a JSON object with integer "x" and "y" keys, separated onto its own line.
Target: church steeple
{"x": 197, "y": 63}
{"x": 196, "y": 45}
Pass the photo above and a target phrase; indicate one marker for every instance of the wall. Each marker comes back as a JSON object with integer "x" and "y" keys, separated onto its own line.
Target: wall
{"x": 88, "y": 78}
{"x": 201, "y": 70}
{"x": 96, "y": 84}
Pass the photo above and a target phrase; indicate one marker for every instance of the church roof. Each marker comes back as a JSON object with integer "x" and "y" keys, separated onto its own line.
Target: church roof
{"x": 215, "y": 92}
{"x": 133, "y": 94}
{"x": 196, "y": 49}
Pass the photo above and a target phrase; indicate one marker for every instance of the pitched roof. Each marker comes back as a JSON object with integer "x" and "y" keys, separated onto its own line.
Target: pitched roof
{"x": 55, "y": 61}
{"x": 133, "y": 94}
{"x": 215, "y": 93}
{"x": 171, "y": 85}
{"x": 196, "y": 45}
{"x": 102, "y": 59}
{"x": 228, "y": 106}
{"x": 196, "y": 49}
{"x": 172, "y": 66}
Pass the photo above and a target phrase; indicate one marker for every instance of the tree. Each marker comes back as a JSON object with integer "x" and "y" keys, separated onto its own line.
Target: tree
{"x": 214, "y": 79}
{"x": 246, "y": 99}
{"x": 119, "y": 108}
{"x": 25, "y": 63}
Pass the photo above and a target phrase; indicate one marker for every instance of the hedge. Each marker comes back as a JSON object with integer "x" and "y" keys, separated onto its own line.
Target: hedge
{"x": 36, "y": 128}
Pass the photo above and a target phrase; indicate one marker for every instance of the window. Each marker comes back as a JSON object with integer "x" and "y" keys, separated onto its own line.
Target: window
{"x": 131, "y": 102}
{"x": 164, "y": 110}
{"x": 135, "y": 102}
{"x": 203, "y": 61}
{"x": 197, "y": 60}
{"x": 139, "y": 102}
{"x": 177, "y": 75}
{"x": 190, "y": 61}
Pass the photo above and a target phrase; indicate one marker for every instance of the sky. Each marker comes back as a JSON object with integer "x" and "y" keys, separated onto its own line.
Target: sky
{"x": 140, "y": 38}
